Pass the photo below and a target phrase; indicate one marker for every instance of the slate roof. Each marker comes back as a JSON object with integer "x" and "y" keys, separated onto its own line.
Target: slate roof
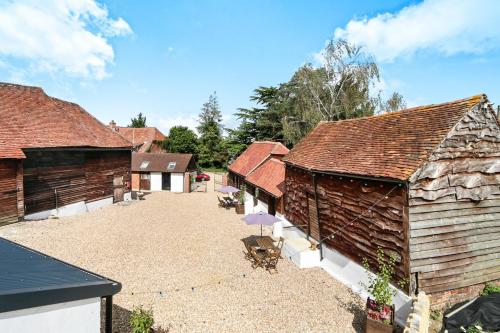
{"x": 269, "y": 176}
{"x": 159, "y": 162}
{"x": 29, "y": 279}
{"x": 255, "y": 154}
{"x": 141, "y": 137}
{"x": 32, "y": 119}
{"x": 391, "y": 145}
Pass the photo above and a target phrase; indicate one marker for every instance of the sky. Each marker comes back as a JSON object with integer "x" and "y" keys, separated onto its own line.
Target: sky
{"x": 164, "y": 58}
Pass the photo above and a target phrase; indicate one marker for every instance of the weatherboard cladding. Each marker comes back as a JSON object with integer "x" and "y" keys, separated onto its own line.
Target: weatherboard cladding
{"x": 29, "y": 279}
{"x": 32, "y": 119}
{"x": 392, "y": 145}
{"x": 159, "y": 162}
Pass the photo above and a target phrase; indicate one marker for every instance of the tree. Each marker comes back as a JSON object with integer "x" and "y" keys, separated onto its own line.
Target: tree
{"x": 181, "y": 139}
{"x": 211, "y": 148}
{"x": 138, "y": 122}
{"x": 395, "y": 103}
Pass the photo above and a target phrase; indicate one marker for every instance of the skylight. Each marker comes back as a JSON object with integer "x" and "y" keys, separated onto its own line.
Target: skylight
{"x": 144, "y": 164}
{"x": 171, "y": 165}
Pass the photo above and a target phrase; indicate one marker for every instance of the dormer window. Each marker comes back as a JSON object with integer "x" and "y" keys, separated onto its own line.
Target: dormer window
{"x": 144, "y": 164}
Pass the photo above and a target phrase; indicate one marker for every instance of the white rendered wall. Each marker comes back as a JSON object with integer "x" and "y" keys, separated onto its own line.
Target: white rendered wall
{"x": 177, "y": 182}
{"x": 156, "y": 181}
{"x": 248, "y": 203}
{"x": 81, "y": 316}
{"x": 72, "y": 209}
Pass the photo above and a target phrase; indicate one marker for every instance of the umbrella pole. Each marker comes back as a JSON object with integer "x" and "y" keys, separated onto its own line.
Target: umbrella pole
{"x": 261, "y": 230}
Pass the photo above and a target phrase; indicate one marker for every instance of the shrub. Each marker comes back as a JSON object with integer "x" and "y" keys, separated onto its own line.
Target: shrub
{"x": 141, "y": 321}
{"x": 379, "y": 285}
{"x": 490, "y": 288}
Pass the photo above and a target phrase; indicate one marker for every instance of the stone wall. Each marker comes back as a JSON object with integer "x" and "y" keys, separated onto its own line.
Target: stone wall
{"x": 419, "y": 317}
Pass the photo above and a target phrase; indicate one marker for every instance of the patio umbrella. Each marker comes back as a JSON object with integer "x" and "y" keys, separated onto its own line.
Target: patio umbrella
{"x": 260, "y": 218}
{"x": 228, "y": 189}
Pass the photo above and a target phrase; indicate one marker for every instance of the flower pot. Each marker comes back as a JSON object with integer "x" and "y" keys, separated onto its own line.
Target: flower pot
{"x": 240, "y": 208}
{"x": 375, "y": 319}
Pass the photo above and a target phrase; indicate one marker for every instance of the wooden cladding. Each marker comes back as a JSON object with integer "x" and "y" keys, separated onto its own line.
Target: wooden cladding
{"x": 8, "y": 191}
{"x": 58, "y": 178}
{"x": 455, "y": 208}
{"x": 342, "y": 201}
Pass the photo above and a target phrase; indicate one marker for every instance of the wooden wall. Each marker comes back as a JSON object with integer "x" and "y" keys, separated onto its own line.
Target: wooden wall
{"x": 71, "y": 176}
{"x": 8, "y": 191}
{"x": 455, "y": 208}
{"x": 340, "y": 201}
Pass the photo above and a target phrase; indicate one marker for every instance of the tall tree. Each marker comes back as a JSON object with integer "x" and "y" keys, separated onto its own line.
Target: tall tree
{"x": 138, "y": 122}
{"x": 181, "y": 139}
{"x": 211, "y": 148}
{"x": 395, "y": 103}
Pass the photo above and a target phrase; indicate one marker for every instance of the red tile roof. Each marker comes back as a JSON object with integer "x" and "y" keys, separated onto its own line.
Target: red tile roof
{"x": 391, "y": 145}
{"x": 31, "y": 119}
{"x": 142, "y": 137}
{"x": 269, "y": 176}
{"x": 255, "y": 154}
{"x": 159, "y": 162}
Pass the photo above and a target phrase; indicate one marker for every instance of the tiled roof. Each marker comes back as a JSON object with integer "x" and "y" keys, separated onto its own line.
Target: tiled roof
{"x": 255, "y": 154}
{"x": 270, "y": 176}
{"x": 391, "y": 145}
{"x": 142, "y": 137}
{"x": 31, "y": 119}
{"x": 159, "y": 162}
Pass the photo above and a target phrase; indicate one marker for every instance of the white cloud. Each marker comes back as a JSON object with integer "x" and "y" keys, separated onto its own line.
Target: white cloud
{"x": 190, "y": 120}
{"x": 446, "y": 26}
{"x": 60, "y": 35}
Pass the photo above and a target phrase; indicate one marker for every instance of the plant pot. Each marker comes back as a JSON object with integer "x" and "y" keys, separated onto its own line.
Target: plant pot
{"x": 375, "y": 325}
{"x": 240, "y": 208}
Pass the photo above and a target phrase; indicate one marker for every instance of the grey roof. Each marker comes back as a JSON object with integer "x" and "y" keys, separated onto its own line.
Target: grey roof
{"x": 158, "y": 162}
{"x": 29, "y": 278}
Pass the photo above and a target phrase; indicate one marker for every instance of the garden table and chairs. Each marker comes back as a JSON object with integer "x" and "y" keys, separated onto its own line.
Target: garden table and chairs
{"x": 262, "y": 252}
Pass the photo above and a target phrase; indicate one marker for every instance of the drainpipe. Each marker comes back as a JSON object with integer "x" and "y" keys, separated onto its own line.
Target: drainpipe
{"x": 315, "y": 184}
{"x": 108, "y": 321}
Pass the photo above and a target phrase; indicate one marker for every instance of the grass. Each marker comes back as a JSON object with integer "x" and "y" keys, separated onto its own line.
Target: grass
{"x": 213, "y": 169}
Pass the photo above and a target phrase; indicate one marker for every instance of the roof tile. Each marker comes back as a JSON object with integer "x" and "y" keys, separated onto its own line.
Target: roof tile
{"x": 270, "y": 176}
{"x": 255, "y": 154}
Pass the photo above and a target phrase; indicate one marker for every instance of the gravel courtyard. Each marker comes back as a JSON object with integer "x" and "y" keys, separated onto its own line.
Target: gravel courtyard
{"x": 189, "y": 249}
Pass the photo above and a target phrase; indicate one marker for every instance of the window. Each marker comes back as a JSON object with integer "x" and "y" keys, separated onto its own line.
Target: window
{"x": 171, "y": 165}
{"x": 144, "y": 175}
{"x": 144, "y": 164}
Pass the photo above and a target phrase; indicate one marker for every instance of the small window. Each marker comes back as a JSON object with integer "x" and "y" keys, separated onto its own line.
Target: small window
{"x": 144, "y": 164}
{"x": 145, "y": 175}
{"x": 171, "y": 165}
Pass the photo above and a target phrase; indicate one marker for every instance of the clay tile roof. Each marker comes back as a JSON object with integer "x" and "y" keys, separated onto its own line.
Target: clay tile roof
{"x": 255, "y": 154}
{"x": 142, "y": 137}
{"x": 31, "y": 119}
{"x": 391, "y": 145}
{"x": 159, "y": 162}
{"x": 270, "y": 176}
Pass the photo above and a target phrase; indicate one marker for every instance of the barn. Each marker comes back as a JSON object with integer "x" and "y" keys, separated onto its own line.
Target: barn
{"x": 55, "y": 158}
{"x": 422, "y": 183}
{"x": 163, "y": 172}
{"x": 144, "y": 139}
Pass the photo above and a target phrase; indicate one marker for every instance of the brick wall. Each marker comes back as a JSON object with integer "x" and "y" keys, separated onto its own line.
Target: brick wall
{"x": 443, "y": 300}
{"x": 136, "y": 179}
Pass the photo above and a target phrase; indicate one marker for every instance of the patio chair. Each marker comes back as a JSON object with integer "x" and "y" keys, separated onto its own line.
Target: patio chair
{"x": 259, "y": 257}
{"x": 222, "y": 203}
{"x": 273, "y": 256}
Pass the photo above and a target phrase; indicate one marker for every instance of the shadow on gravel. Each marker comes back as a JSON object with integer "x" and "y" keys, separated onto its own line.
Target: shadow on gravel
{"x": 359, "y": 314}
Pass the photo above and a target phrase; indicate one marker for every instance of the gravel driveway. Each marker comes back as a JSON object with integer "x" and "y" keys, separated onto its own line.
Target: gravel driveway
{"x": 189, "y": 249}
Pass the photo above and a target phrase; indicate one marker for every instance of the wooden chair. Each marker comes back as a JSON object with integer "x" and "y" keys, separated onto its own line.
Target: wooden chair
{"x": 222, "y": 203}
{"x": 273, "y": 256}
{"x": 259, "y": 257}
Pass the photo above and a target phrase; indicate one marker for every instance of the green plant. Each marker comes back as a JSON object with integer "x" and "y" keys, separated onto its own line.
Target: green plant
{"x": 241, "y": 194}
{"x": 490, "y": 288}
{"x": 379, "y": 285}
{"x": 141, "y": 320}
{"x": 435, "y": 315}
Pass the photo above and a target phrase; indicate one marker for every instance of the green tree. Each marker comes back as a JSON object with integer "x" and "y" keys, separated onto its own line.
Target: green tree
{"x": 181, "y": 139}
{"x": 212, "y": 150}
{"x": 394, "y": 103}
{"x": 138, "y": 122}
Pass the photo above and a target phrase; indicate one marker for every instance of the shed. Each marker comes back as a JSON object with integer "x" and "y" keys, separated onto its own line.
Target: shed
{"x": 55, "y": 158}
{"x": 163, "y": 172}
{"x": 39, "y": 293}
{"x": 422, "y": 183}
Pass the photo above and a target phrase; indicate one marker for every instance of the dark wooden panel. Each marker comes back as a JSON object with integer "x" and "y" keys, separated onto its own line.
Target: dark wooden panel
{"x": 8, "y": 191}
{"x": 313, "y": 218}
{"x": 101, "y": 169}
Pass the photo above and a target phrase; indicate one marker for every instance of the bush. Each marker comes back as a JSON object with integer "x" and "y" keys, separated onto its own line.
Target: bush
{"x": 141, "y": 321}
{"x": 490, "y": 288}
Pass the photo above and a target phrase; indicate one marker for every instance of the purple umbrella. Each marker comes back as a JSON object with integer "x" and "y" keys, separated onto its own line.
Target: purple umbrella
{"x": 228, "y": 189}
{"x": 260, "y": 218}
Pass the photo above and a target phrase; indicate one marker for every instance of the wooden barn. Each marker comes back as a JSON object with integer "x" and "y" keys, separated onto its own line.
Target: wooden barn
{"x": 422, "y": 183}
{"x": 144, "y": 139}
{"x": 55, "y": 158}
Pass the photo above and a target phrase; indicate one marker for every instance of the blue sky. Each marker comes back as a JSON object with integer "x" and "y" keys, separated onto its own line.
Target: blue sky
{"x": 164, "y": 58}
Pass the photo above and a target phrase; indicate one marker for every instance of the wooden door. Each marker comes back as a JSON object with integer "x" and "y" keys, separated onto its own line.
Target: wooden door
{"x": 313, "y": 218}
{"x": 118, "y": 190}
{"x": 145, "y": 182}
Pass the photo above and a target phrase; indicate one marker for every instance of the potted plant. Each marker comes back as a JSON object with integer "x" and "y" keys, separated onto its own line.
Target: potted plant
{"x": 240, "y": 204}
{"x": 380, "y": 310}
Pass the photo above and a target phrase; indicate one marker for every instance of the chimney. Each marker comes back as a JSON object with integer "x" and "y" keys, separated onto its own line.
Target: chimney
{"x": 112, "y": 125}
